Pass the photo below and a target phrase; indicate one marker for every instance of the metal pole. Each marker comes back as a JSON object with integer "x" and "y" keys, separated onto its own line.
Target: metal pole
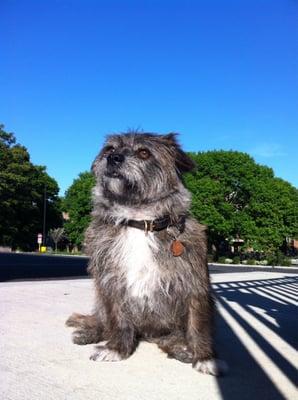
{"x": 44, "y": 215}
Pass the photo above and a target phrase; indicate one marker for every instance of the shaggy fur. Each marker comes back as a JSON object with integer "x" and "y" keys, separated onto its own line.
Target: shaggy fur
{"x": 142, "y": 290}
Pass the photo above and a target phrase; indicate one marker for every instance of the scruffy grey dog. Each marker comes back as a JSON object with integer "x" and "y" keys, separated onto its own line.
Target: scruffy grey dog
{"x": 147, "y": 256}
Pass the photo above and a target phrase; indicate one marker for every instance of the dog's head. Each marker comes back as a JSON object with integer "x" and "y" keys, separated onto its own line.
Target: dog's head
{"x": 140, "y": 167}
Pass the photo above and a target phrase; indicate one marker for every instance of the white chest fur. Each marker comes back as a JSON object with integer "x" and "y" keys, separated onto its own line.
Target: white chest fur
{"x": 139, "y": 268}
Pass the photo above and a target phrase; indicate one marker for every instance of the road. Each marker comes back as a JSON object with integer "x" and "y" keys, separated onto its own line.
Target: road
{"x": 28, "y": 266}
{"x": 256, "y": 334}
{"x": 34, "y": 266}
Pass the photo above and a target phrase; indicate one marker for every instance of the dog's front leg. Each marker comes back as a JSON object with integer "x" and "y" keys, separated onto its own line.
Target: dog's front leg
{"x": 121, "y": 343}
{"x": 199, "y": 336}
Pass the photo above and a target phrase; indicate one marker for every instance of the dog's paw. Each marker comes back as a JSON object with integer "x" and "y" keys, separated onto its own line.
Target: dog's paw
{"x": 83, "y": 336}
{"x": 181, "y": 353}
{"x": 105, "y": 354}
{"x": 212, "y": 366}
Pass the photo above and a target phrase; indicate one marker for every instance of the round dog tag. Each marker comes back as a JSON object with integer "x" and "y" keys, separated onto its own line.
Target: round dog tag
{"x": 177, "y": 248}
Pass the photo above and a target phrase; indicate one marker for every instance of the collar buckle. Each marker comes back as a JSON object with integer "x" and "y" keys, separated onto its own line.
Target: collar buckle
{"x": 149, "y": 226}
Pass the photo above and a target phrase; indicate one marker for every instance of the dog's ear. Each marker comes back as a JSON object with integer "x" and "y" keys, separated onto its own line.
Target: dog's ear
{"x": 93, "y": 166}
{"x": 183, "y": 162}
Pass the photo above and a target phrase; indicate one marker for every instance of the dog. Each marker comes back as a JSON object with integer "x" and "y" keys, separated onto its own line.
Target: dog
{"x": 147, "y": 256}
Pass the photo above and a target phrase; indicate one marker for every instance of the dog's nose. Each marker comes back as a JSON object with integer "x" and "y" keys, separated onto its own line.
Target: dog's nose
{"x": 115, "y": 159}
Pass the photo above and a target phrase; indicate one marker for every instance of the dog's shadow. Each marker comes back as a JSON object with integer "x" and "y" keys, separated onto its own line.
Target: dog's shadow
{"x": 256, "y": 334}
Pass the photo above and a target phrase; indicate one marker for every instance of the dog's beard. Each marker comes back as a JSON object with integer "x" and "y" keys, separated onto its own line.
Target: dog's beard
{"x": 118, "y": 188}
{"x": 114, "y": 184}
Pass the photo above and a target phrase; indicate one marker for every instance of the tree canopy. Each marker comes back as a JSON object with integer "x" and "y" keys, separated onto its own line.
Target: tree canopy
{"x": 237, "y": 198}
{"x": 231, "y": 194}
{"x": 77, "y": 203}
{"x": 22, "y": 187}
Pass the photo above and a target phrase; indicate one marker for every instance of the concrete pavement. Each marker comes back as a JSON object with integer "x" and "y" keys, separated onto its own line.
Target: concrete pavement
{"x": 256, "y": 335}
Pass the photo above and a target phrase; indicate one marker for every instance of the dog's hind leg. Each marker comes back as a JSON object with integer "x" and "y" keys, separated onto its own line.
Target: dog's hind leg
{"x": 175, "y": 346}
{"x": 199, "y": 336}
{"x": 89, "y": 328}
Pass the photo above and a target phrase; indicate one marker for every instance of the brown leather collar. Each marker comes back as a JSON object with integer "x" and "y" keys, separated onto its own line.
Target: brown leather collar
{"x": 156, "y": 224}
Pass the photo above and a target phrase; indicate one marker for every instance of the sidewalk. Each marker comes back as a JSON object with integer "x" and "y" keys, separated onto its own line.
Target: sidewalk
{"x": 256, "y": 335}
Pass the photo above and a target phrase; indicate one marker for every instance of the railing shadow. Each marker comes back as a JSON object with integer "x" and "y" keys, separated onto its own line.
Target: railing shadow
{"x": 257, "y": 330}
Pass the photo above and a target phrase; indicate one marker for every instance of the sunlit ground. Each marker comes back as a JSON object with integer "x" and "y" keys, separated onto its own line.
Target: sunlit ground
{"x": 256, "y": 335}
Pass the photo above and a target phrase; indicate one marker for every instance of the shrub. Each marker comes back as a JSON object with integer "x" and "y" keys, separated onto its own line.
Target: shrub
{"x": 286, "y": 262}
{"x": 221, "y": 260}
{"x": 210, "y": 258}
{"x": 236, "y": 260}
{"x": 263, "y": 262}
{"x": 271, "y": 259}
{"x": 278, "y": 258}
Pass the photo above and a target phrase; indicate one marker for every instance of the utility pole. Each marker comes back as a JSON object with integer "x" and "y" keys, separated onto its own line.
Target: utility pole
{"x": 44, "y": 215}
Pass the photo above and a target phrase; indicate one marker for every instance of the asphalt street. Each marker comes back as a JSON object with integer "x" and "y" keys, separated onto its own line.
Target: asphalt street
{"x": 36, "y": 266}
{"x": 256, "y": 335}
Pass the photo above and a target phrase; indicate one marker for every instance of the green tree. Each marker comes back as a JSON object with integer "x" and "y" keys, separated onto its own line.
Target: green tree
{"x": 22, "y": 186}
{"x": 236, "y": 197}
{"x": 231, "y": 194}
{"x": 77, "y": 203}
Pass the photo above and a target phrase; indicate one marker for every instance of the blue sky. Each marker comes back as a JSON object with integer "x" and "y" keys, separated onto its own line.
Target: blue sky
{"x": 222, "y": 73}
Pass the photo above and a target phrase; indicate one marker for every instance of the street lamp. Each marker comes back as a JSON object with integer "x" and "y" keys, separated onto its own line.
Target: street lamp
{"x": 44, "y": 215}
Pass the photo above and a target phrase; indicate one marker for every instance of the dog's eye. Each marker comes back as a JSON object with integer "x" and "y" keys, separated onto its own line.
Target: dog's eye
{"x": 109, "y": 149}
{"x": 144, "y": 154}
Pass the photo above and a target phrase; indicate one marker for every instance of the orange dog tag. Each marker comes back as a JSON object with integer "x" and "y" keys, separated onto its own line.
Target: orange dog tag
{"x": 177, "y": 248}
